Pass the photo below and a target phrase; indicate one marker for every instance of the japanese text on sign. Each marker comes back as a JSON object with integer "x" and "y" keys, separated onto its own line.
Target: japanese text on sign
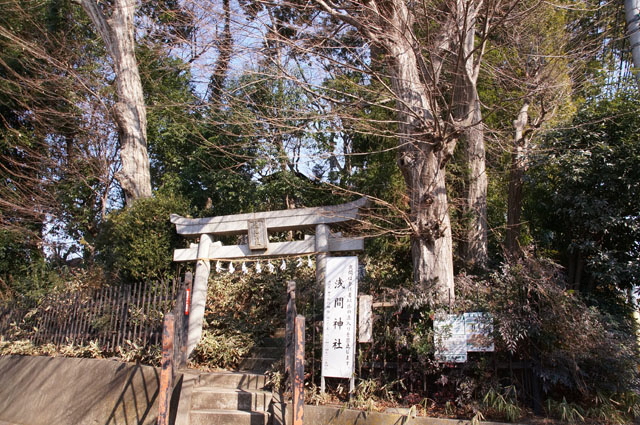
{"x": 340, "y": 302}
{"x": 458, "y": 334}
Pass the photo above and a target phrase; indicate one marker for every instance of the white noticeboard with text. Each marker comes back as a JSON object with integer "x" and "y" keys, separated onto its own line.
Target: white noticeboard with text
{"x": 459, "y": 334}
{"x": 340, "y": 304}
{"x": 478, "y": 328}
{"x": 450, "y": 338}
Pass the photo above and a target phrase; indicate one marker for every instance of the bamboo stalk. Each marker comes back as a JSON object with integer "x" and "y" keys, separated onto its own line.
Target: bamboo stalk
{"x": 124, "y": 314}
{"x": 42, "y": 333}
{"x": 59, "y": 322}
{"x": 75, "y": 318}
{"x": 82, "y": 316}
{"x": 146, "y": 309}
{"x": 134, "y": 327}
{"x": 113, "y": 318}
{"x": 101, "y": 313}
{"x": 48, "y": 323}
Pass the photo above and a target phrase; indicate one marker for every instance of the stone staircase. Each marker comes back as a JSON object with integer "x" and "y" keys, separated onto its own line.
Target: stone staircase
{"x": 262, "y": 358}
{"x": 231, "y": 398}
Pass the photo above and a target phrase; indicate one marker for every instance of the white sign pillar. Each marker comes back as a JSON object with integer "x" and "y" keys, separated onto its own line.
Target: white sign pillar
{"x": 339, "y": 332}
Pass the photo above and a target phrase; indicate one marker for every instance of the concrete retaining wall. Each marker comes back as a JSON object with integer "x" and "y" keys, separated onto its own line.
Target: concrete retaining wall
{"x": 67, "y": 391}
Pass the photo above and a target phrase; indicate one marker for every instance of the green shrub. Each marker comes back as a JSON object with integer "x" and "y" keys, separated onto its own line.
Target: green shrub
{"x": 218, "y": 350}
{"x": 567, "y": 338}
{"x": 23, "y": 268}
{"x": 130, "y": 352}
{"x": 565, "y": 411}
{"x": 503, "y": 402}
{"x": 137, "y": 242}
{"x": 244, "y": 308}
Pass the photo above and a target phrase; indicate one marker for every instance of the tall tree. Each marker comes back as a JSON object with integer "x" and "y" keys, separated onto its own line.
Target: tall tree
{"x": 632, "y": 12}
{"x": 57, "y": 163}
{"x": 424, "y": 140}
{"x": 115, "y": 24}
{"x": 467, "y": 111}
{"x": 431, "y": 58}
{"x": 584, "y": 191}
{"x": 540, "y": 64}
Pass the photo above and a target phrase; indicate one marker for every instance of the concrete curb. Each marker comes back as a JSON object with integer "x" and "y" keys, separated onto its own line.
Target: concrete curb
{"x": 326, "y": 415}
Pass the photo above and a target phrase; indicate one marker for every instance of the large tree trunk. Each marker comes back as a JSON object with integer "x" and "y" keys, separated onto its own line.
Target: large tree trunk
{"x": 225, "y": 47}
{"x": 473, "y": 247}
{"x": 516, "y": 173}
{"x": 423, "y": 148}
{"x": 117, "y": 32}
{"x": 431, "y": 244}
{"x": 422, "y": 156}
{"x": 632, "y": 12}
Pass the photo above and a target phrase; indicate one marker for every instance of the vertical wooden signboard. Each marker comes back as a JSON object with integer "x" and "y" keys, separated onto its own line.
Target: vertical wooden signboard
{"x": 340, "y": 303}
{"x": 365, "y": 318}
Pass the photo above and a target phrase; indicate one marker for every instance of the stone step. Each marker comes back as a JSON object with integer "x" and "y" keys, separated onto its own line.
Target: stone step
{"x": 227, "y": 417}
{"x": 272, "y": 352}
{"x": 256, "y": 364}
{"x": 243, "y": 380}
{"x": 273, "y": 341}
{"x": 230, "y": 399}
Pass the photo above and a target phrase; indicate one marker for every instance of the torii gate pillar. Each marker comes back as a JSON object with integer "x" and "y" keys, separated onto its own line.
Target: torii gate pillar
{"x": 322, "y": 249}
{"x": 199, "y": 292}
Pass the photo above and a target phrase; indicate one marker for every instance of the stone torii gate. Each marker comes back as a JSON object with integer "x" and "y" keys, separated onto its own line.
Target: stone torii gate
{"x": 257, "y": 227}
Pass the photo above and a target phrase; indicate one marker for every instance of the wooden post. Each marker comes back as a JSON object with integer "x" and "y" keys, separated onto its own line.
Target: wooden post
{"x": 289, "y": 330}
{"x": 298, "y": 371}
{"x": 166, "y": 372}
{"x": 188, "y": 279}
{"x": 199, "y": 295}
